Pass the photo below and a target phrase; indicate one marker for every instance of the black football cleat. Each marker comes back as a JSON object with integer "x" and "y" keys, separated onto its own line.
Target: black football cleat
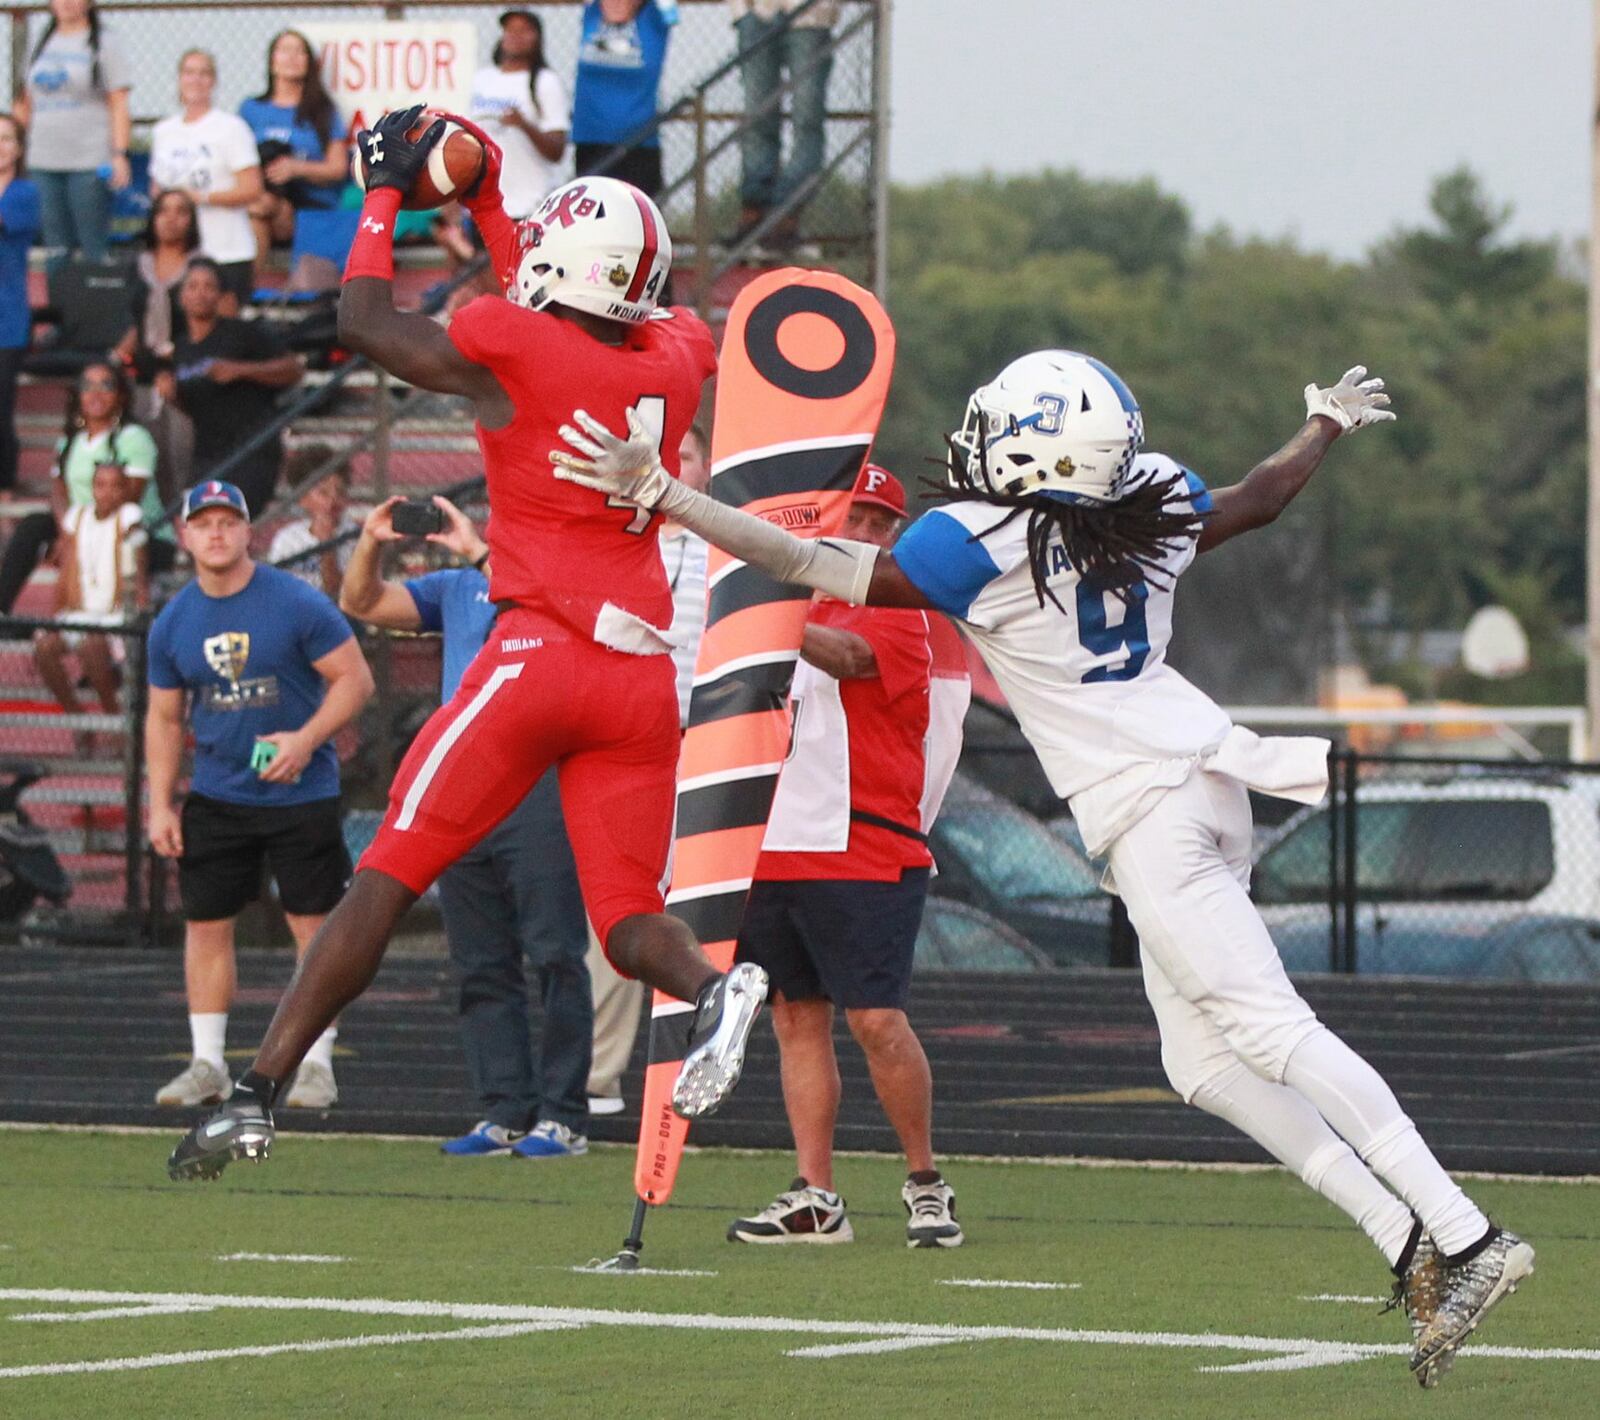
{"x": 240, "y": 1129}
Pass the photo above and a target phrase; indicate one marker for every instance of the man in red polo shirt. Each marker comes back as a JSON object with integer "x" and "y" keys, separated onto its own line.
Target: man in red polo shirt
{"x": 837, "y": 899}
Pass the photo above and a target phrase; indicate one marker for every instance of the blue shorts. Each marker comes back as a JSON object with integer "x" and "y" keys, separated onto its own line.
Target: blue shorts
{"x": 848, "y": 942}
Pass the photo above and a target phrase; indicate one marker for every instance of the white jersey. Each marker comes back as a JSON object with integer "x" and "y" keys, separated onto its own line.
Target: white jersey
{"x": 1088, "y": 680}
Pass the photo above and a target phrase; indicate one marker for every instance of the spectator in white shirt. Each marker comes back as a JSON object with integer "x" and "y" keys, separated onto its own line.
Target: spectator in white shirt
{"x": 102, "y": 568}
{"x": 523, "y": 105}
{"x": 211, "y": 156}
{"x": 326, "y": 505}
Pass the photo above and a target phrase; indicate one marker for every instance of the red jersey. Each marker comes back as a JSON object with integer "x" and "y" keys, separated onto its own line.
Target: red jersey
{"x": 555, "y": 546}
{"x": 859, "y": 747}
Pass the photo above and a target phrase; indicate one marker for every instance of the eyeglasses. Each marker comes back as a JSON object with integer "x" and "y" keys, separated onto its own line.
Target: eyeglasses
{"x": 105, "y": 382}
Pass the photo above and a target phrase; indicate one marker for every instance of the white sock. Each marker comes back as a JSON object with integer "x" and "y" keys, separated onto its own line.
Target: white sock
{"x": 322, "y": 1047}
{"x": 1354, "y": 1099}
{"x": 1287, "y": 1126}
{"x": 208, "y": 1035}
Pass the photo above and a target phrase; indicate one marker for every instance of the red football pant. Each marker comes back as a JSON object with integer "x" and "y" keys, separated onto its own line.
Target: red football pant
{"x": 538, "y": 695}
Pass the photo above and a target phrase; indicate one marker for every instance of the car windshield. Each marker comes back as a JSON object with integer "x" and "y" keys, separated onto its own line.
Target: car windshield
{"x": 1420, "y": 850}
{"x": 957, "y": 938}
{"x": 1014, "y": 856}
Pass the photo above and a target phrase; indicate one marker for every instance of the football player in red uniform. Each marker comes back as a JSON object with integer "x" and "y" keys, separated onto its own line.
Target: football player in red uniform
{"x": 577, "y": 671}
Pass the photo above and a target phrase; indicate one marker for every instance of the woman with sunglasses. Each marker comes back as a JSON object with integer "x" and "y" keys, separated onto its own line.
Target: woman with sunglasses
{"x": 97, "y": 432}
{"x": 19, "y": 226}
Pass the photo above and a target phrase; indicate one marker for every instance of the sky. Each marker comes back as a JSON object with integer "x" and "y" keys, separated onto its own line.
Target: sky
{"x": 1325, "y": 122}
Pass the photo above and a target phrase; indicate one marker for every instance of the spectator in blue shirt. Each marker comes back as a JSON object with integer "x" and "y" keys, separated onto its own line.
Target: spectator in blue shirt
{"x": 301, "y": 140}
{"x": 19, "y": 226}
{"x": 271, "y": 673}
{"x": 516, "y": 894}
{"x": 620, "y": 57}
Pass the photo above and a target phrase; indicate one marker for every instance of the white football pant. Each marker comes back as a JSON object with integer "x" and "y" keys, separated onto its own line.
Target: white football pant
{"x": 1238, "y": 1041}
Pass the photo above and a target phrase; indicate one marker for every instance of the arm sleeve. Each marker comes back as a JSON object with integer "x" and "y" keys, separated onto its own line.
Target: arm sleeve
{"x": 322, "y": 627}
{"x": 115, "y": 71}
{"x": 1199, "y": 494}
{"x": 137, "y": 450}
{"x": 249, "y": 111}
{"x": 555, "y": 108}
{"x": 19, "y": 210}
{"x": 239, "y": 147}
{"x": 160, "y": 667}
{"x": 900, "y": 646}
{"x": 945, "y": 562}
{"x": 428, "y": 595}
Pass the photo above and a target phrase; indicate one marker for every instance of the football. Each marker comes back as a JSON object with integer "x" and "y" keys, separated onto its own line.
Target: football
{"x": 453, "y": 165}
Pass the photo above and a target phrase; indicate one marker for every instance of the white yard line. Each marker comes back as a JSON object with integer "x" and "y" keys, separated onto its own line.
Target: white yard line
{"x": 1345, "y": 1297}
{"x": 342, "y": 1343}
{"x": 280, "y": 1257}
{"x": 599, "y": 1269}
{"x": 1019, "y": 1286}
{"x": 873, "y": 1348}
{"x": 114, "y": 1313}
{"x": 1281, "y": 1352}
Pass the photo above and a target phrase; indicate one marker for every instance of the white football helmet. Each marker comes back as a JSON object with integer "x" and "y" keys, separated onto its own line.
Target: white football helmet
{"x": 596, "y": 244}
{"x": 1054, "y": 422}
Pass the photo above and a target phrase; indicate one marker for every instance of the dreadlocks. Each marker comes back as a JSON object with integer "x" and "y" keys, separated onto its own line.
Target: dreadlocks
{"x": 1113, "y": 546}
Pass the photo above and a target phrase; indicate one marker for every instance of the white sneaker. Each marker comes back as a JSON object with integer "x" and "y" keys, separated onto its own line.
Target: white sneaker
{"x": 313, "y": 1087}
{"x": 932, "y": 1210}
{"x": 200, "y": 1083}
{"x": 801, "y": 1214}
{"x": 606, "y": 1104}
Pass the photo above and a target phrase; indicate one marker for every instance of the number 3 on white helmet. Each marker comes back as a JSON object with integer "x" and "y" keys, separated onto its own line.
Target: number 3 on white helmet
{"x": 596, "y": 244}
{"x": 1054, "y": 422}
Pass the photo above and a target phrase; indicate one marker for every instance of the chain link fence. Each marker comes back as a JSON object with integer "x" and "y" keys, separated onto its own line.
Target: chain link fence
{"x": 1468, "y": 869}
{"x": 702, "y": 96}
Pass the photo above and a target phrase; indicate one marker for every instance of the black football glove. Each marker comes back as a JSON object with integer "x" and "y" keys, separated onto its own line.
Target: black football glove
{"x": 392, "y": 159}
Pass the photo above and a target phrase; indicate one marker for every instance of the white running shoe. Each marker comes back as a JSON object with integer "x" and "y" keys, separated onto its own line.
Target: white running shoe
{"x": 199, "y": 1083}
{"x": 801, "y": 1214}
{"x": 313, "y": 1087}
{"x": 723, "y": 1016}
{"x": 1470, "y": 1289}
{"x": 932, "y": 1215}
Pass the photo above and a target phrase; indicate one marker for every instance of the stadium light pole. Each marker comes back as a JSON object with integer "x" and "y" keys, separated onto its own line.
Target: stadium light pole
{"x": 1592, "y": 631}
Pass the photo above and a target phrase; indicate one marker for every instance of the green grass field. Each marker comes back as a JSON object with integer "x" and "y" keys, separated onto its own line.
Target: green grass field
{"x": 1159, "y": 1278}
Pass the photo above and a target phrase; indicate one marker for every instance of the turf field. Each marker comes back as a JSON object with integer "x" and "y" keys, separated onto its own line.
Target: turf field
{"x": 362, "y": 1277}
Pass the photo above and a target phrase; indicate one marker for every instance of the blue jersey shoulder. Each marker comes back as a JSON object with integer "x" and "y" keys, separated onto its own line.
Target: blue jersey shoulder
{"x": 946, "y": 561}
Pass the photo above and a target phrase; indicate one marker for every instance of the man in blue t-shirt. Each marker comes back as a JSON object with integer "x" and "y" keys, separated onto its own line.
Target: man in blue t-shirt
{"x": 516, "y": 894}
{"x": 270, "y": 673}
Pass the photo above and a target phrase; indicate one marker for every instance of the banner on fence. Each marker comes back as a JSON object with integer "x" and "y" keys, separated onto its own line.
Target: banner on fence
{"x": 371, "y": 67}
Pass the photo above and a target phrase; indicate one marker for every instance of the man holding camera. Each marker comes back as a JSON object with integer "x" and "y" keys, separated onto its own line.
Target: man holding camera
{"x": 271, "y": 674}
{"x": 513, "y": 895}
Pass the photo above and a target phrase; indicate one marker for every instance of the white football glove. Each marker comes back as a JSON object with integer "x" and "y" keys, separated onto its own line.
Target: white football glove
{"x": 1353, "y": 403}
{"x": 623, "y": 468}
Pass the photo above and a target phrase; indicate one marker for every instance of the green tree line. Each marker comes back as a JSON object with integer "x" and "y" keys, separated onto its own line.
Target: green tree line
{"x": 1476, "y": 494}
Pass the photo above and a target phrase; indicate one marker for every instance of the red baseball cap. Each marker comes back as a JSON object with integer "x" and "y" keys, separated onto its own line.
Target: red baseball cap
{"x": 880, "y": 488}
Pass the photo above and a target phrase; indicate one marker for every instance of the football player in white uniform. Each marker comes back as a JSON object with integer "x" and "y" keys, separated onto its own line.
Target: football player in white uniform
{"x": 1060, "y": 548}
